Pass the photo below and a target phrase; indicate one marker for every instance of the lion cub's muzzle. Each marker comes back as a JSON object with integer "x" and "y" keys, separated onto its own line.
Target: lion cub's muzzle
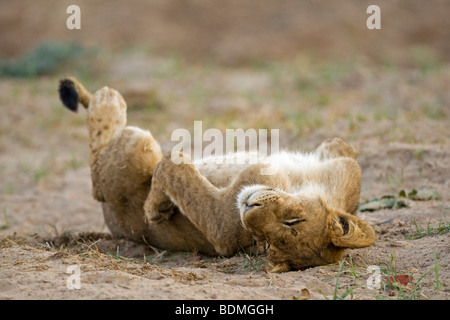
{"x": 251, "y": 197}
{"x": 253, "y": 203}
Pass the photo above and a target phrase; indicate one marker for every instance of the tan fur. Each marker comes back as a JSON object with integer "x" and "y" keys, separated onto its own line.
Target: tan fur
{"x": 84, "y": 95}
{"x": 304, "y": 214}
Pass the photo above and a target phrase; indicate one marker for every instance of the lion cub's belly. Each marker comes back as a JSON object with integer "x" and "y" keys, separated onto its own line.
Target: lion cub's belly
{"x": 222, "y": 170}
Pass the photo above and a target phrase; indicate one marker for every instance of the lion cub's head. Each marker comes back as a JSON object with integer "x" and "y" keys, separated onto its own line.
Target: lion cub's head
{"x": 300, "y": 231}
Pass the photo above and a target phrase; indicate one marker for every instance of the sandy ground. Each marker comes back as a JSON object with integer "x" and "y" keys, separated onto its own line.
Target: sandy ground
{"x": 32, "y": 268}
{"x": 396, "y": 114}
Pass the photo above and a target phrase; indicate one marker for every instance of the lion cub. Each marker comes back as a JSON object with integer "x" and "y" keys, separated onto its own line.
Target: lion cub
{"x": 303, "y": 214}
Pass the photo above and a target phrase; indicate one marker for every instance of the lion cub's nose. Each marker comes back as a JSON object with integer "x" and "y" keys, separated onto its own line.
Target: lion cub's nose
{"x": 251, "y": 206}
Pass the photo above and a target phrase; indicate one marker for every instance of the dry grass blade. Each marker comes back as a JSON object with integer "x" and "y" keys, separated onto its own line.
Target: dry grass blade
{"x": 92, "y": 249}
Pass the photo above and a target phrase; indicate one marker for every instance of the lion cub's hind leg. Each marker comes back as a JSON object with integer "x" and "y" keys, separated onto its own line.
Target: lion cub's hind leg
{"x": 106, "y": 112}
{"x": 107, "y": 116}
{"x": 122, "y": 178}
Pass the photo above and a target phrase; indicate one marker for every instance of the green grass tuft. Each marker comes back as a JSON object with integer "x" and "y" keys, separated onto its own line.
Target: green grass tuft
{"x": 45, "y": 59}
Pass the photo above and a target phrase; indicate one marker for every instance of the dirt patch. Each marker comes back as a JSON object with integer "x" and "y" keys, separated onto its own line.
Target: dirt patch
{"x": 36, "y": 267}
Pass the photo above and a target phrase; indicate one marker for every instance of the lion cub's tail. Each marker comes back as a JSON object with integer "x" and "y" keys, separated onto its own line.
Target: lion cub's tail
{"x": 72, "y": 92}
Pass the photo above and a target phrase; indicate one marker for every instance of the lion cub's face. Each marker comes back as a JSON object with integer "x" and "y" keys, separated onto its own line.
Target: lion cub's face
{"x": 301, "y": 231}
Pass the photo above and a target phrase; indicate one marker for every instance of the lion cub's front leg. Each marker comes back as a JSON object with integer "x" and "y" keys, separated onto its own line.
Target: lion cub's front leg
{"x": 206, "y": 206}
{"x": 158, "y": 207}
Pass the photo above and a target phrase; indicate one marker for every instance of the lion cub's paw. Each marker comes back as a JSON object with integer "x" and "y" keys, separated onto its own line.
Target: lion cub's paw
{"x": 161, "y": 212}
{"x": 166, "y": 209}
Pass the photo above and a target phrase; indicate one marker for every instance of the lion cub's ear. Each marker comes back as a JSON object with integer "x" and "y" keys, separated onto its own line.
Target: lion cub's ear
{"x": 348, "y": 231}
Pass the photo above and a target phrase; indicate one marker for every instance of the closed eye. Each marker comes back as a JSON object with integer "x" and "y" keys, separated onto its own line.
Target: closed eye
{"x": 292, "y": 222}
